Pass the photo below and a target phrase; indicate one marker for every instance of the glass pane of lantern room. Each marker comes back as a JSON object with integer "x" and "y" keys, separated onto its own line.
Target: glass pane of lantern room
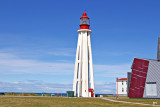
{"x": 84, "y": 21}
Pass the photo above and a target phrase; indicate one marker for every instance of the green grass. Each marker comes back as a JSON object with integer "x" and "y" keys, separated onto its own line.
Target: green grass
{"x": 145, "y": 101}
{"x": 20, "y": 94}
{"x": 58, "y": 102}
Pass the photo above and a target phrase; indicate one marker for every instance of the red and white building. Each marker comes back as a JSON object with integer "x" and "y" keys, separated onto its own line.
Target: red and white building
{"x": 83, "y": 83}
{"x": 121, "y": 86}
{"x": 144, "y": 80}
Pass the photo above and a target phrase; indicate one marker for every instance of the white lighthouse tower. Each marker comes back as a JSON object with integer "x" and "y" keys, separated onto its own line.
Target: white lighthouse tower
{"x": 83, "y": 84}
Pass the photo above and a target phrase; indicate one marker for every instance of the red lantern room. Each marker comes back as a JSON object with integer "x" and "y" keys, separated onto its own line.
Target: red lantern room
{"x": 84, "y": 21}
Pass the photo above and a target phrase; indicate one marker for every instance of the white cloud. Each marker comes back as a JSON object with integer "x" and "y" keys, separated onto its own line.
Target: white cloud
{"x": 120, "y": 53}
{"x": 105, "y": 88}
{"x": 34, "y": 87}
{"x": 6, "y": 56}
{"x": 38, "y": 87}
{"x": 12, "y": 64}
{"x": 62, "y": 52}
{"x": 112, "y": 70}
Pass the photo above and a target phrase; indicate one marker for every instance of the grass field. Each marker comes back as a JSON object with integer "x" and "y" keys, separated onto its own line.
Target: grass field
{"x": 59, "y": 102}
{"x": 145, "y": 101}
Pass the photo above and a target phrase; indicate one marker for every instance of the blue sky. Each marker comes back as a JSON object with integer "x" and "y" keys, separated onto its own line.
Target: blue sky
{"x": 38, "y": 40}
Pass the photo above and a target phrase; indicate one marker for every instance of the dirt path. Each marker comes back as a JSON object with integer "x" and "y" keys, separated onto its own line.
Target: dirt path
{"x": 129, "y": 102}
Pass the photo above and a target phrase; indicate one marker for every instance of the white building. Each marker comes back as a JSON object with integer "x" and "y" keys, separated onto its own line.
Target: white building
{"x": 121, "y": 86}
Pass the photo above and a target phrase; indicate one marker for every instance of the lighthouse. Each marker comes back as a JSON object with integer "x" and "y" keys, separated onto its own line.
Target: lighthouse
{"x": 83, "y": 84}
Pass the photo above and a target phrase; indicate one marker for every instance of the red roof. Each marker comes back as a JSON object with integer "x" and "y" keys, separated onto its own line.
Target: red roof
{"x": 90, "y": 89}
{"x": 122, "y": 79}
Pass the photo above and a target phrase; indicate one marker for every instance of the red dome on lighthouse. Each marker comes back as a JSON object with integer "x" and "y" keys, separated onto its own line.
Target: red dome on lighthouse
{"x": 84, "y": 21}
{"x": 85, "y": 15}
